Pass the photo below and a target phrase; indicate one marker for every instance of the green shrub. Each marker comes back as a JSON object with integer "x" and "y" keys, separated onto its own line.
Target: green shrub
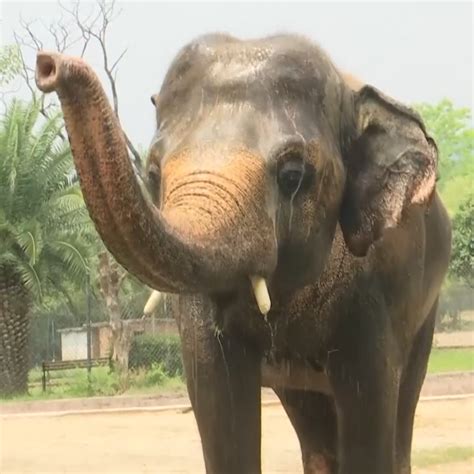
{"x": 148, "y": 350}
{"x": 104, "y": 382}
{"x": 155, "y": 375}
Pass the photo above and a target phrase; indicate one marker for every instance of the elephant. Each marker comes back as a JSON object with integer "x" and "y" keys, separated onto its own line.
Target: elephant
{"x": 293, "y": 217}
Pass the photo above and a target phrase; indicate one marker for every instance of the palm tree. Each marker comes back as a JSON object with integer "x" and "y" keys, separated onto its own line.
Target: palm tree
{"x": 43, "y": 224}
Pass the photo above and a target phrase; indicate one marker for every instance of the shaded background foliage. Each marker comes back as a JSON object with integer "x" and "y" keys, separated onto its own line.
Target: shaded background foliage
{"x": 462, "y": 261}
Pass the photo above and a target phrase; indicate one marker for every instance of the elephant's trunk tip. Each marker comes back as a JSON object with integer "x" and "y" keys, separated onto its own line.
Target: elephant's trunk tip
{"x": 46, "y": 71}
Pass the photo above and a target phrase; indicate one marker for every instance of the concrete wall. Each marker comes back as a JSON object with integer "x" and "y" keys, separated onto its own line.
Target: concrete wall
{"x": 74, "y": 342}
{"x": 104, "y": 341}
{"x": 74, "y": 345}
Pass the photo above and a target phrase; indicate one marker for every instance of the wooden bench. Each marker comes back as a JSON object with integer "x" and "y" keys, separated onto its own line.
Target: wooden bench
{"x": 49, "y": 366}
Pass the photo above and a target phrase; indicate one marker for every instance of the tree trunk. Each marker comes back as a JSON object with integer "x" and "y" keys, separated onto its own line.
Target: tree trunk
{"x": 14, "y": 333}
{"x": 110, "y": 280}
{"x": 122, "y": 343}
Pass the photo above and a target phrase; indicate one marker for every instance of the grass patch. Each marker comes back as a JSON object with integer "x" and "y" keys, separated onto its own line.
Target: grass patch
{"x": 75, "y": 383}
{"x": 72, "y": 383}
{"x": 157, "y": 378}
{"x": 429, "y": 457}
{"x": 172, "y": 386}
{"x": 451, "y": 360}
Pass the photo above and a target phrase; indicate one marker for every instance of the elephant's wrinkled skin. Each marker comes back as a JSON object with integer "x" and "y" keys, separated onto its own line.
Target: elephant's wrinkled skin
{"x": 266, "y": 163}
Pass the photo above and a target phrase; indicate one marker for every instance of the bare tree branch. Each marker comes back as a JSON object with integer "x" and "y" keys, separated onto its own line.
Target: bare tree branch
{"x": 27, "y": 73}
{"x": 107, "y": 15}
{"x": 24, "y": 73}
{"x": 84, "y": 26}
{"x": 82, "y": 30}
{"x": 34, "y": 40}
{"x": 114, "y": 65}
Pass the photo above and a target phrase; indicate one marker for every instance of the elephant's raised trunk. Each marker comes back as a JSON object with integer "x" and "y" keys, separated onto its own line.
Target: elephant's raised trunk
{"x": 129, "y": 225}
{"x": 152, "y": 247}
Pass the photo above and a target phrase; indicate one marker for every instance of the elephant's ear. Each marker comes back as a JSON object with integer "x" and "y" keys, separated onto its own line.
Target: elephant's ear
{"x": 391, "y": 164}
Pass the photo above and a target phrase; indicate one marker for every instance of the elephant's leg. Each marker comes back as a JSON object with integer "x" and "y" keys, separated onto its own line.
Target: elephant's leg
{"x": 364, "y": 377}
{"x": 223, "y": 379}
{"x": 313, "y": 417}
{"x": 410, "y": 388}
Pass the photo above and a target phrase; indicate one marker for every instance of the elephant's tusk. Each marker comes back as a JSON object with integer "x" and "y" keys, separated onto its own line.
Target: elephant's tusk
{"x": 152, "y": 303}
{"x": 260, "y": 291}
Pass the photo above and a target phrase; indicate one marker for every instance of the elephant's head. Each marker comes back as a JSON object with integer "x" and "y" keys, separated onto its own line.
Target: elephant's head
{"x": 261, "y": 149}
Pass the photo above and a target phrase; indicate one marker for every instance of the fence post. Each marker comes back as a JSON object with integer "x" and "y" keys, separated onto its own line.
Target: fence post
{"x": 50, "y": 335}
{"x": 53, "y": 341}
{"x": 43, "y": 379}
{"x": 89, "y": 331}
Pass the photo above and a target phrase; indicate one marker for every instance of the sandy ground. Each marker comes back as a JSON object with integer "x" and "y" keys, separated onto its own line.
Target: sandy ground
{"x": 454, "y": 383}
{"x": 454, "y": 339}
{"x": 168, "y": 442}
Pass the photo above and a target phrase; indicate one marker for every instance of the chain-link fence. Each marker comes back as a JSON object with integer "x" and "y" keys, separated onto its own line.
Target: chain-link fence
{"x": 75, "y": 357}
{"x": 455, "y": 309}
{"x": 149, "y": 350}
{"x": 80, "y": 360}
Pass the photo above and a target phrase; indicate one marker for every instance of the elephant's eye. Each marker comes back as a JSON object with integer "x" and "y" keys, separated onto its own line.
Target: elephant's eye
{"x": 154, "y": 180}
{"x": 291, "y": 176}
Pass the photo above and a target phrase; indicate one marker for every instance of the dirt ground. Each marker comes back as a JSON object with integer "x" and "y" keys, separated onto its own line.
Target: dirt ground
{"x": 168, "y": 442}
{"x": 454, "y": 339}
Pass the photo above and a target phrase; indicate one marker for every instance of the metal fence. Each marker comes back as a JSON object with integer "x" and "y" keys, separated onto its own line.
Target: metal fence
{"x": 74, "y": 358}
{"x": 152, "y": 345}
{"x": 455, "y": 302}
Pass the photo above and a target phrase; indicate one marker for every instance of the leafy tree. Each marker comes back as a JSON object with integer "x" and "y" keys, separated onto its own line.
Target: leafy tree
{"x": 10, "y": 64}
{"x": 462, "y": 258}
{"x": 43, "y": 229}
{"x": 451, "y": 127}
{"x": 76, "y": 31}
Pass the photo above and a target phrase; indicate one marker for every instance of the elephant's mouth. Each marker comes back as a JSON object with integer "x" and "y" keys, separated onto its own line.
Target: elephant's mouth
{"x": 226, "y": 299}
{"x": 252, "y": 293}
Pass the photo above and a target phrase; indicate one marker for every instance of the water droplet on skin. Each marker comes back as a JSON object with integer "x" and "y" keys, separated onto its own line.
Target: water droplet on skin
{"x": 291, "y": 201}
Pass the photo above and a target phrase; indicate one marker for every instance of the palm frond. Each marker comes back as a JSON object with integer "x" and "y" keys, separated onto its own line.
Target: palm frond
{"x": 45, "y": 231}
{"x": 72, "y": 256}
{"x": 26, "y": 124}
{"x": 45, "y": 138}
{"x": 30, "y": 278}
{"x": 67, "y": 200}
{"x": 11, "y": 159}
{"x": 60, "y": 166}
{"x": 31, "y": 241}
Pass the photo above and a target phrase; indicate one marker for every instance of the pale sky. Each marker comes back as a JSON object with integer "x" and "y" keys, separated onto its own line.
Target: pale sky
{"x": 413, "y": 51}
